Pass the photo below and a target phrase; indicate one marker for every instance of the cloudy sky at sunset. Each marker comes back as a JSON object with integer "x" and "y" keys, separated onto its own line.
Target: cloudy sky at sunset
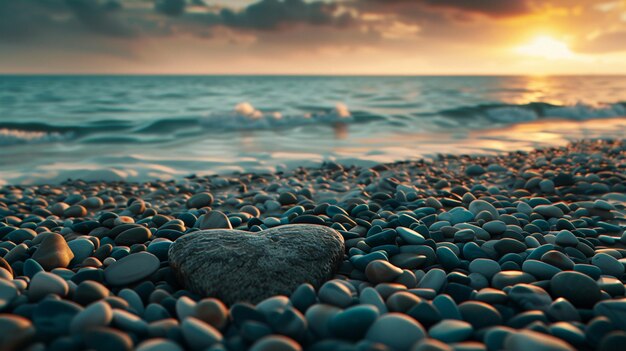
{"x": 313, "y": 37}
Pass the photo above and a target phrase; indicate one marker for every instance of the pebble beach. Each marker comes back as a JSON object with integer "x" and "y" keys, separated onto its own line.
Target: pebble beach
{"x": 518, "y": 251}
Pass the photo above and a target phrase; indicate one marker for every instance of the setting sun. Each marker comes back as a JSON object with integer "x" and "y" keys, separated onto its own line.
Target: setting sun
{"x": 546, "y": 47}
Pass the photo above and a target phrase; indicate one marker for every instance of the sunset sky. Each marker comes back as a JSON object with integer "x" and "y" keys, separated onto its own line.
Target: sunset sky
{"x": 313, "y": 37}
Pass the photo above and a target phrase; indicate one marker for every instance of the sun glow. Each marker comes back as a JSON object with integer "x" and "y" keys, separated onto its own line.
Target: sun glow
{"x": 546, "y": 47}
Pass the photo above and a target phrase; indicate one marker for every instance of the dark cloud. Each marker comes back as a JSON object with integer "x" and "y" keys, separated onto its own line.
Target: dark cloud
{"x": 274, "y": 14}
{"x": 603, "y": 43}
{"x": 488, "y": 7}
{"x": 23, "y": 19}
{"x": 170, "y": 7}
{"x": 100, "y": 16}
{"x": 493, "y": 8}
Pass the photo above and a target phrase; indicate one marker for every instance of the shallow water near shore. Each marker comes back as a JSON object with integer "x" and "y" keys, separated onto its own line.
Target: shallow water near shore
{"x": 146, "y": 127}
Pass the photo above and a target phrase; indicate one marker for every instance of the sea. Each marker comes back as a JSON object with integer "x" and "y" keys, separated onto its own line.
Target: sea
{"x": 141, "y": 128}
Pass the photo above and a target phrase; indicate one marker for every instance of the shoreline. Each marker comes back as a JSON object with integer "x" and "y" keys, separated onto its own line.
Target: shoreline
{"x": 512, "y": 251}
{"x": 525, "y": 136}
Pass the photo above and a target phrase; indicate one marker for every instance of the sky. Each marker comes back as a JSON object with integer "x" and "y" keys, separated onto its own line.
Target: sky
{"x": 386, "y": 37}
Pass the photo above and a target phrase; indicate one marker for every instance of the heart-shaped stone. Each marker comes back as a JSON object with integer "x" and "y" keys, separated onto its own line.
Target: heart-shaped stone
{"x": 235, "y": 265}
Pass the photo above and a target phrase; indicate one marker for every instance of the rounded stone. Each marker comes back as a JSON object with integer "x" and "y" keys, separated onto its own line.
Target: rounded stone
{"x": 158, "y": 344}
{"x": 402, "y": 301}
{"x": 75, "y": 211}
{"x": 90, "y": 291}
{"x": 614, "y": 310}
{"x": 430, "y": 344}
{"x": 614, "y": 340}
{"x": 479, "y": 314}
{"x": 336, "y": 293}
{"x": 212, "y": 311}
{"x": 396, "y": 330}
{"x": 474, "y": 170}
{"x": 478, "y": 206}
{"x": 558, "y": 259}
{"x": 530, "y": 297}
{"x": 81, "y": 248}
{"x": 380, "y": 271}
{"x": 107, "y": 339}
{"x": 370, "y": 296}
{"x": 488, "y": 268}
{"x": 287, "y": 198}
{"x": 447, "y": 258}
{"x": 540, "y": 270}
{"x": 8, "y": 292}
{"x": 131, "y": 268}
{"x": 303, "y": 297}
{"x": 451, "y": 330}
{"x": 525, "y": 340}
{"x": 213, "y": 220}
{"x": 235, "y": 265}
{"x": 549, "y": 211}
{"x": 53, "y": 252}
{"x": 16, "y": 332}
{"x": 447, "y": 307}
{"x": 136, "y": 235}
{"x": 200, "y": 200}
{"x": 318, "y": 318}
{"x": 53, "y": 317}
{"x": 566, "y": 238}
{"x": 133, "y": 299}
{"x": 568, "y": 332}
{"x": 44, "y": 283}
{"x": 507, "y": 278}
{"x": 575, "y": 287}
{"x": 608, "y": 264}
{"x": 563, "y": 310}
{"x": 434, "y": 279}
{"x": 276, "y": 343}
{"x": 507, "y": 245}
{"x": 96, "y": 315}
{"x": 185, "y": 307}
{"x": 495, "y": 227}
{"x": 18, "y": 236}
{"x": 410, "y": 236}
{"x": 354, "y": 322}
{"x": 198, "y": 334}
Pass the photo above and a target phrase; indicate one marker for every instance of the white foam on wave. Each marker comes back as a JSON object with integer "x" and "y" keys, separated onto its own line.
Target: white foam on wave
{"x": 16, "y": 136}
{"x": 246, "y": 116}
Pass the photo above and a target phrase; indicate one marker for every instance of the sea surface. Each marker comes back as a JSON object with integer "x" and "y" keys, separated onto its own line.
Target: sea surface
{"x": 158, "y": 127}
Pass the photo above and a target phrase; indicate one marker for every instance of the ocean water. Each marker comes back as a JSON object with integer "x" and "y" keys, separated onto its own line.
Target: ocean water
{"x": 158, "y": 127}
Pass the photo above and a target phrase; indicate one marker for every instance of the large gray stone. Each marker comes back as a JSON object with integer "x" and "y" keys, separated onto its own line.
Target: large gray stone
{"x": 235, "y": 265}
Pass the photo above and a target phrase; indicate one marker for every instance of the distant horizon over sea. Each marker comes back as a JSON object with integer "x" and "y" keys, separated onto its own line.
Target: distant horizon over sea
{"x": 141, "y": 127}
{"x": 339, "y": 75}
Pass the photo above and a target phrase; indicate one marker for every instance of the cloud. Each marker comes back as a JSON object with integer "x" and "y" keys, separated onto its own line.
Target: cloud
{"x": 29, "y": 19}
{"x": 170, "y": 7}
{"x": 275, "y": 14}
{"x": 496, "y": 8}
{"x": 100, "y": 17}
{"x": 603, "y": 43}
{"x": 492, "y": 8}
{"x": 25, "y": 19}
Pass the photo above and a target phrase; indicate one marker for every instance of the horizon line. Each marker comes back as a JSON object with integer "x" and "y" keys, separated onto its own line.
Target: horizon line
{"x": 78, "y": 74}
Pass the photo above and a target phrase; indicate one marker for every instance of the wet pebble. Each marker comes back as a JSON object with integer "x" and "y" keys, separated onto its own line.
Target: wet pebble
{"x": 131, "y": 268}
